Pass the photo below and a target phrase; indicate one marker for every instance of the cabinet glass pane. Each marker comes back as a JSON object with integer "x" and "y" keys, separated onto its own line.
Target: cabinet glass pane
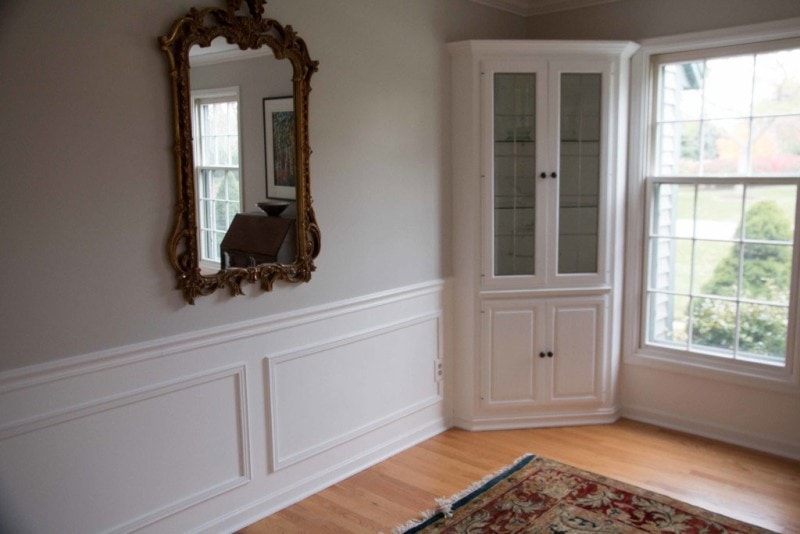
{"x": 579, "y": 176}
{"x": 514, "y": 153}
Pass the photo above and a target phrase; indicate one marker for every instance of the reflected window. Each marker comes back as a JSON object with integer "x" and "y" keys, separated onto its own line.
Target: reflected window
{"x": 217, "y": 166}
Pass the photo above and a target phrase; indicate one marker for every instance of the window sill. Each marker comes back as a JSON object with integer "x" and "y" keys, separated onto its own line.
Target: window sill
{"x": 772, "y": 379}
{"x": 209, "y": 267}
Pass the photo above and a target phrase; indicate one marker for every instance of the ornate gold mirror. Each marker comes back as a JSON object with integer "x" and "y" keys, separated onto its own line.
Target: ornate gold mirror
{"x": 240, "y": 86}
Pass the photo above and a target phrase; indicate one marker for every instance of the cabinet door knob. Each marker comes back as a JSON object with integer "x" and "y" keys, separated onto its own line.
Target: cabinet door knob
{"x": 549, "y": 353}
{"x": 553, "y": 175}
{"x": 541, "y": 354}
{"x": 543, "y": 175}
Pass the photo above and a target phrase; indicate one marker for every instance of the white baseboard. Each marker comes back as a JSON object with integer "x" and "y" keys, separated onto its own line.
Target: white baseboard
{"x": 572, "y": 418}
{"x": 210, "y": 430}
{"x": 277, "y": 501}
{"x": 713, "y": 431}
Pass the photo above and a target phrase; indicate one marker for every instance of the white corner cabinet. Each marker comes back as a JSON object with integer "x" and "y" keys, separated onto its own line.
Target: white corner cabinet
{"x": 539, "y": 136}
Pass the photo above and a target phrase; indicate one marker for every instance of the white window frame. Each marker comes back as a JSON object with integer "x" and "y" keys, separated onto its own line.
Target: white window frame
{"x": 207, "y": 94}
{"x": 635, "y": 349}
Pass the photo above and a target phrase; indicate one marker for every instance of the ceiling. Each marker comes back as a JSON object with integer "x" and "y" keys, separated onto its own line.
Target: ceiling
{"x": 528, "y": 8}
{"x": 221, "y": 51}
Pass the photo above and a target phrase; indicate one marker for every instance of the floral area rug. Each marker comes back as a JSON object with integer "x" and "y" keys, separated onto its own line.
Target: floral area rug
{"x": 539, "y": 495}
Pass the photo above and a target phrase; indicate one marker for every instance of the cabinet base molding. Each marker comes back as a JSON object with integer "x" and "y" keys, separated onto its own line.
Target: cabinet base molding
{"x": 589, "y": 417}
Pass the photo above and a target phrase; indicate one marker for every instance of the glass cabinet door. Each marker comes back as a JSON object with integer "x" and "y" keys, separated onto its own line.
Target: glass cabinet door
{"x": 543, "y": 190}
{"x": 579, "y": 172}
{"x": 514, "y": 153}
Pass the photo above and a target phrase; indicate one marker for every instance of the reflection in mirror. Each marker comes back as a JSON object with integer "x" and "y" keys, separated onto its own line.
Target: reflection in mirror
{"x": 240, "y": 87}
{"x": 232, "y": 145}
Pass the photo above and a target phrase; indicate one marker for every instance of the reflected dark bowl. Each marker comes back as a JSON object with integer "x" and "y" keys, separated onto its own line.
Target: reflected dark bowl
{"x": 273, "y": 208}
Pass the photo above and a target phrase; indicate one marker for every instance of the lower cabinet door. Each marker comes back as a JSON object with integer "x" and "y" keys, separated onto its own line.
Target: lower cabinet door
{"x": 576, "y": 328}
{"x": 538, "y": 353}
{"x": 512, "y": 332}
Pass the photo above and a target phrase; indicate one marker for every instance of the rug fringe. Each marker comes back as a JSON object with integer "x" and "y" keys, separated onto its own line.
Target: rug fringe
{"x": 445, "y": 505}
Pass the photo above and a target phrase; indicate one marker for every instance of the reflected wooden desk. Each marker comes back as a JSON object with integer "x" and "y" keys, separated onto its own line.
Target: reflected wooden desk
{"x": 255, "y": 238}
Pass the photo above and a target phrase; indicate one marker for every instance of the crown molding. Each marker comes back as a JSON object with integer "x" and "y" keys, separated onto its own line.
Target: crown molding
{"x": 528, "y": 8}
{"x": 223, "y": 52}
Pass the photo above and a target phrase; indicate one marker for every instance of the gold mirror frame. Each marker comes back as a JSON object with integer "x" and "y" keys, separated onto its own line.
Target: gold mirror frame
{"x": 249, "y": 31}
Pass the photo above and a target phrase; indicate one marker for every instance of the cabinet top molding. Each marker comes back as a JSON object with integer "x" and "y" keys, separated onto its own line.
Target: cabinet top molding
{"x": 508, "y": 48}
{"x": 528, "y": 8}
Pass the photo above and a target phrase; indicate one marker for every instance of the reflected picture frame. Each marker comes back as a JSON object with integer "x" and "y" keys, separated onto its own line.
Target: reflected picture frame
{"x": 279, "y": 148}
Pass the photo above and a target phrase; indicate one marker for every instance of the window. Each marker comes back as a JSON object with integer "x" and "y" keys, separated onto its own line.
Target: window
{"x": 217, "y": 170}
{"x": 721, "y": 183}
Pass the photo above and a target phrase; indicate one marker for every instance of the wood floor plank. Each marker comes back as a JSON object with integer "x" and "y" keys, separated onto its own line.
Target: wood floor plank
{"x": 748, "y": 485}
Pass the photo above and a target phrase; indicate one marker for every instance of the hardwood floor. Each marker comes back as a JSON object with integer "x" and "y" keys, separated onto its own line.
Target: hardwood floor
{"x": 754, "y": 487}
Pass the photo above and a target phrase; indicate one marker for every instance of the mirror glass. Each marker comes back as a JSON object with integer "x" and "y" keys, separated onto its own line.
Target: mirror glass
{"x": 243, "y": 212}
{"x": 240, "y": 100}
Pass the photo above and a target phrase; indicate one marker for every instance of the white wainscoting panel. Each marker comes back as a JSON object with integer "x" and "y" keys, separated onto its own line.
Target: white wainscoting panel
{"x": 134, "y": 458}
{"x": 326, "y": 395}
{"x": 751, "y": 417}
{"x": 209, "y": 431}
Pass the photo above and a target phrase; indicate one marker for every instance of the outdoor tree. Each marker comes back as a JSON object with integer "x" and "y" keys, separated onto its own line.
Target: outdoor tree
{"x": 765, "y": 276}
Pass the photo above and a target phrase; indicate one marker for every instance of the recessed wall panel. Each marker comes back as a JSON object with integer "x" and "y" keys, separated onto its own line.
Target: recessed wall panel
{"x": 90, "y": 470}
{"x": 323, "y": 396}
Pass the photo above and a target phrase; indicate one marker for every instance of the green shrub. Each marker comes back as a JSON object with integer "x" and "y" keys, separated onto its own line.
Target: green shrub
{"x": 766, "y": 276}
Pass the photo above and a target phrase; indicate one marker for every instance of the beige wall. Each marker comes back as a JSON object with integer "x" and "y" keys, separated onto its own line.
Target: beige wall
{"x": 640, "y": 19}
{"x": 86, "y": 148}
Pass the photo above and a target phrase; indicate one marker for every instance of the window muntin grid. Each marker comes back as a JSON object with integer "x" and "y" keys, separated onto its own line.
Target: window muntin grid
{"x": 726, "y": 152}
{"x": 217, "y": 170}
